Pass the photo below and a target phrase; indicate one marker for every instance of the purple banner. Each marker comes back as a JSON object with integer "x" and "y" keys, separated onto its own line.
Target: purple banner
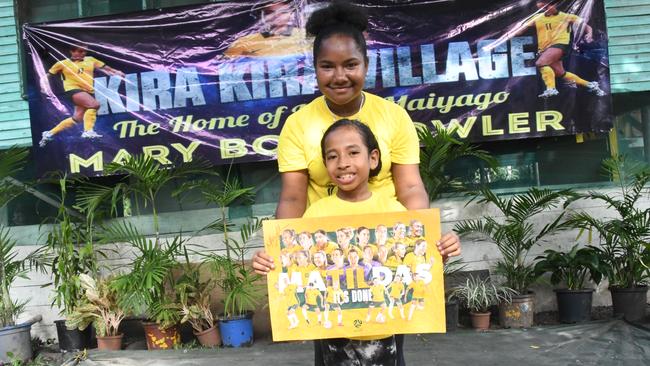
{"x": 219, "y": 80}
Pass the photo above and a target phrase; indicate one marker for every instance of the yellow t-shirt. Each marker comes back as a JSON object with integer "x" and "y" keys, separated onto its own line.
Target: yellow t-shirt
{"x": 334, "y": 206}
{"x": 257, "y": 45}
{"x": 418, "y": 287}
{"x": 378, "y": 292}
{"x": 77, "y": 74}
{"x": 311, "y": 296}
{"x": 412, "y": 261}
{"x": 299, "y": 145}
{"x": 334, "y": 296}
{"x": 329, "y": 247}
{"x": 396, "y": 289}
{"x": 554, "y": 29}
{"x": 393, "y": 261}
{"x": 290, "y": 295}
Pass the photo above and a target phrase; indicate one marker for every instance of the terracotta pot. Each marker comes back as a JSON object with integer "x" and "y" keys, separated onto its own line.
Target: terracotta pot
{"x": 209, "y": 337}
{"x": 480, "y": 321}
{"x": 161, "y": 338}
{"x": 110, "y": 343}
{"x": 519, "y": 313}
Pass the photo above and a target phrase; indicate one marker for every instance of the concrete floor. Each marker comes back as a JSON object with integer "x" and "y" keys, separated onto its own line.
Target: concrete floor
{"x": 612, "y": 342}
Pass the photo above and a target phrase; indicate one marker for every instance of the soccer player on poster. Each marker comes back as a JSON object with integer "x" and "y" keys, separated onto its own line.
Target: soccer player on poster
{"x": 554, "y": 36}
{"x": 77, "y": 75}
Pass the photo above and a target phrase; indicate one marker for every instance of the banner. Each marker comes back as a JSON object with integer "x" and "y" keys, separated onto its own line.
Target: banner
{"x": 355, "y": 276}
{"x": 219, "y": 80}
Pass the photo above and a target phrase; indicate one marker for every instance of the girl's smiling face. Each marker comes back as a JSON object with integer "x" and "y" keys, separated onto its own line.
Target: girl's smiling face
{"x": 348, "y": 163}
{"x": 341, "y": 73}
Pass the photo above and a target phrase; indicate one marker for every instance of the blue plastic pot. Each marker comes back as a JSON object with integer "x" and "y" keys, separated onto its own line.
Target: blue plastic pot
{"x": 237, "y": 331}
{"x": 15, "y": 339}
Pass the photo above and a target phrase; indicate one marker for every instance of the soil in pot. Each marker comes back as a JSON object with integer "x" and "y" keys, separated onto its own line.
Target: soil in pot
{"x": 630, "y": 302}
{"x": 110, "y": 343}
{"x": 161, "y": 338}
{"x": 480, "y": 321}
{"x": 72, "y": 340}
{"x": 519, "y": 313}
{"x": 17, "y": 340}
{"x": 237, "y": 331}
{"x": 574, "y": 306}
{"x": 209, "y": 337}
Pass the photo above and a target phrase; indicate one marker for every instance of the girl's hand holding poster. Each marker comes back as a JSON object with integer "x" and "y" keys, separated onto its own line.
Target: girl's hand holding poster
{"x": 361, "y": 276}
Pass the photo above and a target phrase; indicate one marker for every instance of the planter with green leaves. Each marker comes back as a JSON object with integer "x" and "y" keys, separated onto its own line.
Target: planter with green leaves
{"x": 479, "y": 295}
{"x": 514, "y": 235}
{"x": 70, "y": 244}
{"x": 439, "y": 148}
{"x": 100, "y": 308}
{"x": 14, "y": 338}
{"x": 240, "y": 285}
{"x": 623, "y": 251}
{"x": 194, "y": 294}
{"x": 149, "y": 287}
{"x": 572, "y": 268}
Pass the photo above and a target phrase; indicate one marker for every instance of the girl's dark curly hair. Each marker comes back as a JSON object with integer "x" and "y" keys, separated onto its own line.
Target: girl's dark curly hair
{"x": 338, "y": 18}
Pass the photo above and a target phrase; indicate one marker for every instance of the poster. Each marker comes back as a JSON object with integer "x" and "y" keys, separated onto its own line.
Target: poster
{"x": 355, "y": 276}
{"x": 218, "y": 80}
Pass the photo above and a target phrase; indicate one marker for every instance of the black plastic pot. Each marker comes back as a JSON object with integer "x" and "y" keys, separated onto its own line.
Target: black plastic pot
{"x": 630, "y": 302}
{"x": 72, "y": 340}
{"x": 574, "y": 306}
{"x": 451, "y": 315}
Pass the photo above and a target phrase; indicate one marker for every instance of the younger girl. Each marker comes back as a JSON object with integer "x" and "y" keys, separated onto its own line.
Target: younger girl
{"x": 351, "y": 155}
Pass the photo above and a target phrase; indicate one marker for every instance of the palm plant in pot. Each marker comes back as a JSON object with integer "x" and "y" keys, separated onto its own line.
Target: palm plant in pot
{"x": 623, "y": 249}
{"x": 149, "y": 287}
{"x": 14, "y": 338}
{"x": 151, "y": 283}
{"x": 100, "y": 308}
{"x": 439, "y": 148}
{"x": 479, "y": 295}
{"x": 514, "y": 236}
{"x": 240, "y": 285}
{"x": 70, "y": 244}
{"x": 194, "y": 294}
{"x": 573, "y": 268}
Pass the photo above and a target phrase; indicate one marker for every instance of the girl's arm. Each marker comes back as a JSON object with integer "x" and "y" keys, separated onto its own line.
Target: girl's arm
{"x": 292, "y": 204}
{"x": 410, "y": 191}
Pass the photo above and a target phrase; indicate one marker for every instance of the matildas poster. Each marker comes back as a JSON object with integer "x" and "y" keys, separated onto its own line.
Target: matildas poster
{"x": 355, "y": 276}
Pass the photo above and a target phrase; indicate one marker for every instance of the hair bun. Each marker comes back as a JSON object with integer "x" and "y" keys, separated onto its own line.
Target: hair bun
{"x": 335, "y": 15}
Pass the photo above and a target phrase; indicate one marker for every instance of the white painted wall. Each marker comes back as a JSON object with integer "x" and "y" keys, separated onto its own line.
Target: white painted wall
{"x": 478, "y": 253}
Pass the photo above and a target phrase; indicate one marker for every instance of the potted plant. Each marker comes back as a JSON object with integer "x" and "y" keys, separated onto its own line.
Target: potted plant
{"x": 149, "y": 287}
{"x": 572, "y": 268}
{"x": 194, "y": 295}
{"x": 514, "y": 236}
{"x": 623, "y": 249}
{"x": 438, "y": 150}
{"x": 70, "y": 245}
{"x": 240, "y": 285}
{"x": 14, "y": 338}
{"x": 101, "y": 308}
{"x": 479, "y": 295}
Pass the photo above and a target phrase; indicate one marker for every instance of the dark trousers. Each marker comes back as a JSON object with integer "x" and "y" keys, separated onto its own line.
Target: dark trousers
{"x": 399, "y": 344}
